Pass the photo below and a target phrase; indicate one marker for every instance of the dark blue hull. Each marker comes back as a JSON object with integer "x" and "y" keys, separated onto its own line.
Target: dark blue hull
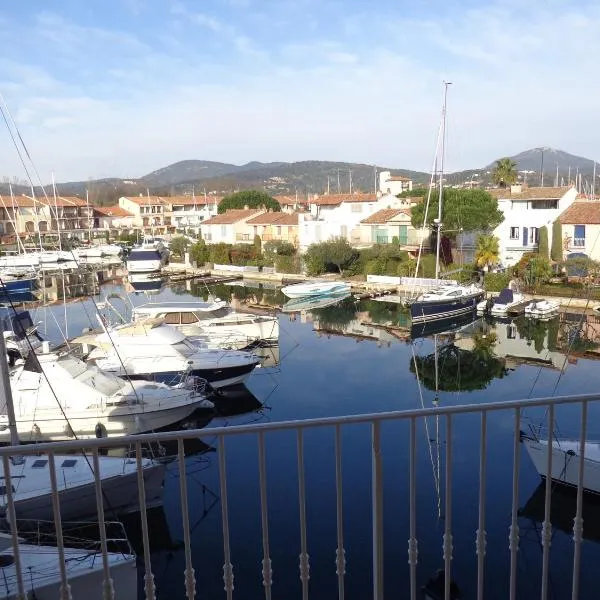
{"x": 12, "y": 286}
{"x": 445, "y": 325}
{"x": 422, "y": 312}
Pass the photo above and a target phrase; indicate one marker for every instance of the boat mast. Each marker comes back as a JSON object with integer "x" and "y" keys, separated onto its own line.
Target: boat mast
{"x": 55, "y": 212}
{"x": 87, "y": 204}
{"x": 6, "y": 394}
{"x": 441, "y": 182}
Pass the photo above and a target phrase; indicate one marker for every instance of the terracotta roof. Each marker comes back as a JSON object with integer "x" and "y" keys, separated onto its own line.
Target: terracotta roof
{"x": 385, "y": 215}
{"x": 530, "y": 193}
{"x": 28, "y": 201}
{"x": 286, "y": 200}
{"x": 112, "y": 211}
{"x": 231, "y": 216}
{"x": 274, "y": 218}
{"x": 191, "y": 200}
{"x": 581, "y": 213}
{"x": 143, "y": 200}
{"x": 334, "y": 199}
{"x": 398, "y": 178}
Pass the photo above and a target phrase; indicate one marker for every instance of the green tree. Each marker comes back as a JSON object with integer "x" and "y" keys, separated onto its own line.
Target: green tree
{"x": 258, "y": 245}
{"x": 340, "y": 253}
{"x": 469, "y": 210}
{"x": 487, "y": 251}
{"x": 505, "y": 172}
{"x": 220, "y": 253}
{"x": 417, "y": 192}
{"x": 543, "y": 249}
{"x": 336, "y": 253}
{"x": 179, "y": 245}
{"x": 557, "y": 242}
{"x": 199, "y": 253}
{"x": 249, "y": 198}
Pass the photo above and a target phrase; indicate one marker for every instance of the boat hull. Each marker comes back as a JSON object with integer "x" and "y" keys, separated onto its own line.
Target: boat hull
{"x": 421, "y": 312}
{"x": 120, "y": 495}
{"x": 313, "y": 289}
{"x": 12, "y": 286}
{"x": 144, "y": 266}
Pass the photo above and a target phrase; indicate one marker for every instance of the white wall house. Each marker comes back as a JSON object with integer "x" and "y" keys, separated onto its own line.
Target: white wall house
{"x": 525, "y": 211}
{"x": 581, "y": 229}
{"x": 394, "y": 184}
{"x": 229, "y": 227}
{"x": 189, "y": 212}
{"x": 339, "y": 215}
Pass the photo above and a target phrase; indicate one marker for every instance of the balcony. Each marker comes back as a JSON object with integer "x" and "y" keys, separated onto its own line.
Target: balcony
{"x": 578, "y": 243}
{"x": 279, "y": 549}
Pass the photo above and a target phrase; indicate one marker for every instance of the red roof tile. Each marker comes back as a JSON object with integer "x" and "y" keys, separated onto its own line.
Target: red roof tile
{"x": 383, "y": 216}
{"x": 231, "y": 216}
{"x": 112, "y": 211}
{"x": 581, "y": 213}
{"x": 274, "y": 218}
{"x": 334, "y": 199}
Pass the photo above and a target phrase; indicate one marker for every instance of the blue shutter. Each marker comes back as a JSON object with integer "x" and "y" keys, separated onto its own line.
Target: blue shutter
{"x": 525, "y": 234}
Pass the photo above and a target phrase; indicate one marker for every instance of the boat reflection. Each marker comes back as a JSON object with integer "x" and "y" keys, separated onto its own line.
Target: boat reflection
{"x": 455, "y": 323}
{"x": 314, "y": 302}
{"x": 144, "y": 283}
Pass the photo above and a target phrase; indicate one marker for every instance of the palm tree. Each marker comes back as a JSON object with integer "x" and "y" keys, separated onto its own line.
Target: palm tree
{"x": 505, "y": 172}
{"x": 487, "y": 252}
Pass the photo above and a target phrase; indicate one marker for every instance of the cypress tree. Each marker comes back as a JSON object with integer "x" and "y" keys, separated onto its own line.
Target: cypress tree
{"x": 557, "y": 247}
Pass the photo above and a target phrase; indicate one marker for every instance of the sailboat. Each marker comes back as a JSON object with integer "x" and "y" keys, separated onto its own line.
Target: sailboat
{"x": 451, "y": 299}
{"x": 30, "y": 476}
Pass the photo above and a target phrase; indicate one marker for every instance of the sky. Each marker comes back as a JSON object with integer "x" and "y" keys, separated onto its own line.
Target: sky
{"x": 120, "y": 88}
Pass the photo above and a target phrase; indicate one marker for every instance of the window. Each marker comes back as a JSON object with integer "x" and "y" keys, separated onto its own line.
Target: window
{"x": 533, "y": 235}
{"x": 511, "y": 332}
{"x": 514, "y": 233}
{"x": 356, "y": 208}
{"x": 40, "y": 463}
{"x": 187, "y": 318}
{"x": 579, "y": 237}
{"x": 68, "y": 463}
{"x": 172, "y": 318}
{"x": 223, "y": 230}
{"x": 544, "y": 204}
{"x": 278, "y": 229}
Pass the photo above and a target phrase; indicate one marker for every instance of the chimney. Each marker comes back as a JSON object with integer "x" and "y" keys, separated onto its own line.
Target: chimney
{"x": 516, "y": 189}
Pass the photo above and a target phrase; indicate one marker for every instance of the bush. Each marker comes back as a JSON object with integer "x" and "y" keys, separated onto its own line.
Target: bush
{"x": 245, "y": 254}
{"x": 314, "y": 262}
{"x": 332, "y": 256}
{"x": 274, "y": 248}
{"x": 288, "y": 264}
{"x": 496, "y": 282}
{"x": 179, "y": 245}
{"x": 543, "y": 249}
{"x": 220, "y": 253}
{"x": 557, "y": 242}
{"x": 199, "y": 253}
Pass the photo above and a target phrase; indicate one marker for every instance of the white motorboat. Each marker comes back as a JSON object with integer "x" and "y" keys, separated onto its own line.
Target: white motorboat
{"x": 152, "y": 350}
{"x": 501, "y": 304}
{"x": 565, "y": 460}
{"x": 41, "y": 576}
{"x": 315, "y": 288}
{"x": 224, "y": 326}
{"x": 58, "y": 396}
{"x": 541, "y": 309}
{"x": 314, "y": 302}
{"x": 99, "y": 251}
{"x": 446, "y": 301}
{"x": 150, "y": 257}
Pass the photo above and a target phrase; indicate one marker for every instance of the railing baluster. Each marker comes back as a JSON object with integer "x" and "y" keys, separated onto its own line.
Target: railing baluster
{"x": 547, "y": 524}
{"x": 448, "y": 511}
{"x": 340, "y": 553}
{"x": 267, "y": 571}
{"x": 149, "y": 586}
{"x": 513, "y": 536}
{"x": 108, "y": 584}
{"x": 189, "y": 575}
{"x": 65, "y": 588}
{"x": 12, "y": 516}
{"x": 227, "y": 566}
{"x": 578, "y": 520}
{"x": 304, "y": 558}
{"x": 413, "y": 548}
{"x": 377, "y": 490}
{"x": 481, "y": 542}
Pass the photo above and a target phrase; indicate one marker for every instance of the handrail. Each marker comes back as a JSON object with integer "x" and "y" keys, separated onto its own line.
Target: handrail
{"x": 121, "y": 441}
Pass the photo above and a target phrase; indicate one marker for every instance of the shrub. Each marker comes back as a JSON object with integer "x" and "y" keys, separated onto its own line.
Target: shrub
{"x": 557, "y": 242}
{"x": 220, "y": 253}
{"x": 288, "y": 264}
{"x": 245, "y": 254}
{"x": 199, "y": 253}
{"x": 543, "y": 249}
{"x": 179, "y": 245}
{"x": 495, "y": 282}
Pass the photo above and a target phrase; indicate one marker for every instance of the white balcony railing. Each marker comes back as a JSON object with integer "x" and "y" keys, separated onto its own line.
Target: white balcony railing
{"x": 340, "y": 554}
{"x": 579, "y": 242}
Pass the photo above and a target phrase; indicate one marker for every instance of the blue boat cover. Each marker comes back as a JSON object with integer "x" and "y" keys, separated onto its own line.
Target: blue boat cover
{"x": 505, "y": 297}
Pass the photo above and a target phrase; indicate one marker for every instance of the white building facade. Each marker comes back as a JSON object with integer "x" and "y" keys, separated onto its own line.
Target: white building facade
{"x": 394, "y": 184}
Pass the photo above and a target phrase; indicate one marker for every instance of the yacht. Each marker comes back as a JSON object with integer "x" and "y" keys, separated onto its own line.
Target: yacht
{"x": 57, "y": 396}
{"x": 501, "y": 304}
{"x": 446, "y": 301}
{"x": 98, "y": 251}
{"x": 216, "y": 319}
{"x": 41, "y": 573}
{"x": 149, "y": 349}
{"x": 315, "y": 288}
{"x": 150, "y": 257}
{"x": 542, "y": 309}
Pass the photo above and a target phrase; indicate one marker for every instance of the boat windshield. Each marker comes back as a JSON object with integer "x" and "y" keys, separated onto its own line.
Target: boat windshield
{"x": 90, "y": 376}
{"x": 144, "y": 255}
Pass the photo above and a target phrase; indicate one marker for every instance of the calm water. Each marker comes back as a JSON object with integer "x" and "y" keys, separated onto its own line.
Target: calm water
{"x": 333, "y": 362}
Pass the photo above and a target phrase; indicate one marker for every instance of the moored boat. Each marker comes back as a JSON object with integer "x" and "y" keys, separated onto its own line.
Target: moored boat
{"x": 315, "y": 288}
{"x": 542, "y": 309}
{"x": 501, "y": 304}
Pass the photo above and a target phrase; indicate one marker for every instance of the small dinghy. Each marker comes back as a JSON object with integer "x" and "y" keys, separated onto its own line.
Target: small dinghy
{"x": 541, "y": 309}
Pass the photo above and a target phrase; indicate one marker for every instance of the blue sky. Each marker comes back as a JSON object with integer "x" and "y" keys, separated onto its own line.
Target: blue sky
{"x": 123, "y": 87}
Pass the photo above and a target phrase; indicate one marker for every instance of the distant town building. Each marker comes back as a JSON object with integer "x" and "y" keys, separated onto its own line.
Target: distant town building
{"x": 394, "y": 184}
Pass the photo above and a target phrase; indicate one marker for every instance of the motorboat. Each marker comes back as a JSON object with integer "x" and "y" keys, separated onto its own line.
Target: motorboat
{"x": 20, "y": 334}
{"x": 445, "y": 301}
{"x": 58, "y": 396}
{"x": 315, "y": 288}
{"x": 84, "y": 569}
{"x": 14, "y": 281}
{"x": 501, "y": 304}
{"x": 98, "y": 251}
{"x": 541, "y": 309}
{"x": 314, "y": 302}
{"x": 149, "y": 257}
{"x": 149, "y": 349}
{"x": 224, "y": 326}
{"x": 145, "y": 283}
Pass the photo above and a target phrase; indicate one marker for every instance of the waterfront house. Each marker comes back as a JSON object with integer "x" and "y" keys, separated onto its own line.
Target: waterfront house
{"x": 389, "y": 223}
{"x": 112, "y": 217}
{"x": 292, "y": 204}
{"x": 151, "y": 213}
{"x": 581, "y": 228}
{"x": 189, "y": 212}
{"x": 394, "y": 184}
{"x": 272, "y": 226}
{"x": 525, "y": 210}
{"x": 229, "y": 227}
{"x": 339, "y": 215}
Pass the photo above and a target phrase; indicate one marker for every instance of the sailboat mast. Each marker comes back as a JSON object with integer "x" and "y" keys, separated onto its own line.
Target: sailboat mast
{"x": 441, "y": 182}
{"x": 87, "y": 204}
{"x": 56, "y": 211}
{"x": 6, "y": 394}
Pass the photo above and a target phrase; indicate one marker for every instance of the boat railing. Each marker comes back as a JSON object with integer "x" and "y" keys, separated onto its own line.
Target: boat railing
{"x": 397, "y": 431}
